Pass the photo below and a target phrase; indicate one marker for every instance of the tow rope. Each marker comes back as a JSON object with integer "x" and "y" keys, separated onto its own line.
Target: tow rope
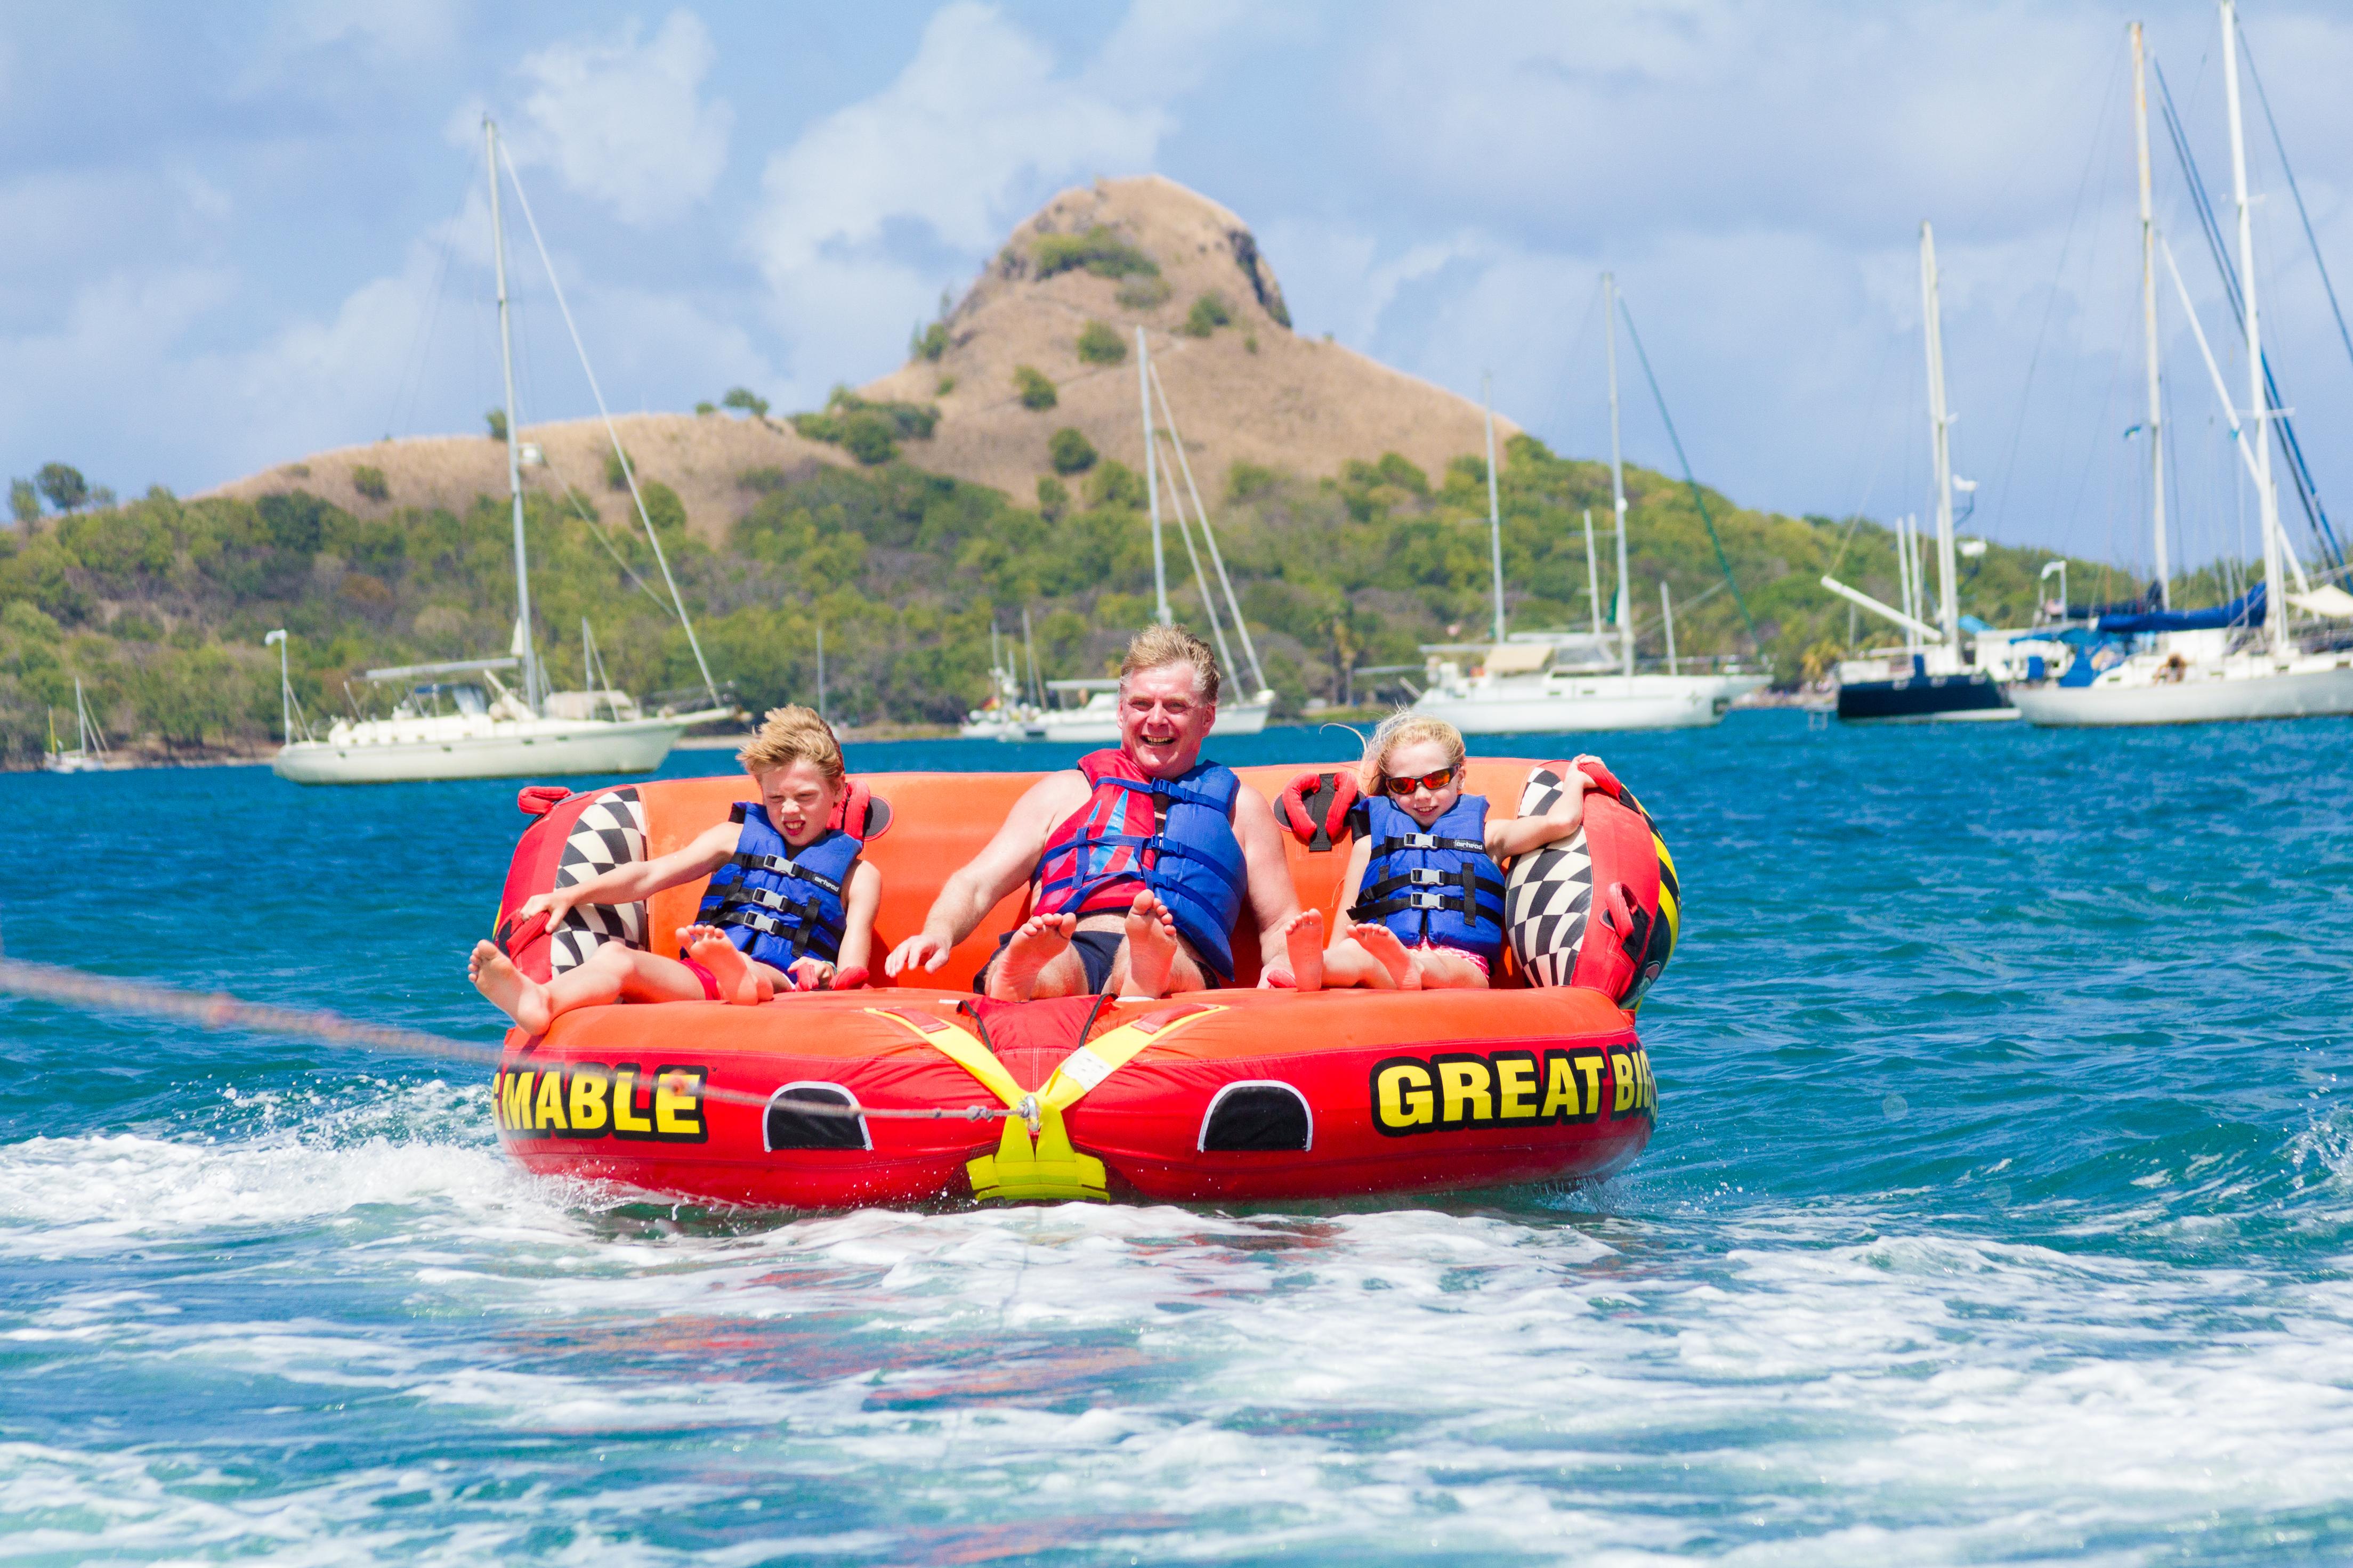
{"x": 1034, "y": 1159}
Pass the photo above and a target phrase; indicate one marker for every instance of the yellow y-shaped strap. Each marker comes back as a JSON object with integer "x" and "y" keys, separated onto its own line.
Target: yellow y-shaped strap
{"x": 1034, "y": 1159}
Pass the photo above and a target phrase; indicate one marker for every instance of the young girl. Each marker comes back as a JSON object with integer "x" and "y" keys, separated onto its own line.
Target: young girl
{"x": 790, "y": 903}
{"x": 1424, "y": 895}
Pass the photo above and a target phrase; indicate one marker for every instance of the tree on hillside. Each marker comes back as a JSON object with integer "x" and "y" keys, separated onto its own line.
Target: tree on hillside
{"x": 1036, "y": 389}
{"x": 497, "y": 419}
{"x": 63, "y": 484}
{"x": 24, "y": 501}
{"x": 743, "y": 397}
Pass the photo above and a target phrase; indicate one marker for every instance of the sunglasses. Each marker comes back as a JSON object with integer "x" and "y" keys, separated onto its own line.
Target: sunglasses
{"x": 1430, "y": 782}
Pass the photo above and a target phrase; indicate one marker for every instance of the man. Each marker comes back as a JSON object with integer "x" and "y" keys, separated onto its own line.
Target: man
{"x": 1140, "y": 856}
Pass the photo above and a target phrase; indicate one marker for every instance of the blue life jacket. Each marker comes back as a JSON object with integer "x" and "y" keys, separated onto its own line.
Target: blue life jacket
{"x": 1435, "y": 884}
{"x": 1175, "y": 836}
{"x": 777, "y": 903}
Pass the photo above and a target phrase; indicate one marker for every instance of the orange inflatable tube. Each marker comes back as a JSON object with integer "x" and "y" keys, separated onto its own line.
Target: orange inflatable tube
{"x": 919, "y": 1091}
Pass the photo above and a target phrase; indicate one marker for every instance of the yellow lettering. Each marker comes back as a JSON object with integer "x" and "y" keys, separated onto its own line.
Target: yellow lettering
{"x": 1560, "y": 1089}
{"x": 1589, "y": 1067}
{"x": 678, "y": 1104}
{"x": 514, "y": 1100}
{"x": 1649, "y": 1082}
{"x": 587, "y": 1097}
{"x": 1464, "y": 1082}
{"x": 1516, "y": 1087}
{"x": 551, "y": 1102}
{"x": 625, "y": 1120}
{"x": 1621, "y": 1079}
{"x": 1402, "y": 1098}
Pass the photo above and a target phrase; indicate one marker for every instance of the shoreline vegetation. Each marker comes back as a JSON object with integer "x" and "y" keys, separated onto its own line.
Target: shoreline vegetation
{"x": 159, "y": 605}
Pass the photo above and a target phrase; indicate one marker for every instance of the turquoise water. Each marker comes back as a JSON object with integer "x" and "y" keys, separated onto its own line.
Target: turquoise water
{"x": 2000, "y": 1210}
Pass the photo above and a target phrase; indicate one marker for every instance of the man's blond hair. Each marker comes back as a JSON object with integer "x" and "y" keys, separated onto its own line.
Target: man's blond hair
{"x": 1157, "y": 646}
{"x": 794, "y": 734}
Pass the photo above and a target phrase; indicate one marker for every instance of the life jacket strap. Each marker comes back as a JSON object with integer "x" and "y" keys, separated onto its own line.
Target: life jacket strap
{"x": 781, "y": 867}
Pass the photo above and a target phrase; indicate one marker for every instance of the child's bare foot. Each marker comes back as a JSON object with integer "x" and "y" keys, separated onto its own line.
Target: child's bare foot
{"x": 1389, "y": 953}
{"x": 1151, "y": 947}
{"x": 1302, "y": 940}
{"x": 730, "y": 969}
{"x": 511, "y": 990}
{"x": 1041, "y": 940}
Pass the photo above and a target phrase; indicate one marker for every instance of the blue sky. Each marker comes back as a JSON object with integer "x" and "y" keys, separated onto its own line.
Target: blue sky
{"x": 238, "y": 234}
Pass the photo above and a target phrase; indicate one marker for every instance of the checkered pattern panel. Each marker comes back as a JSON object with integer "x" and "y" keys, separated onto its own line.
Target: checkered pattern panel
{"x": 1549, "y": 895}
{"x": 611, "y": 831}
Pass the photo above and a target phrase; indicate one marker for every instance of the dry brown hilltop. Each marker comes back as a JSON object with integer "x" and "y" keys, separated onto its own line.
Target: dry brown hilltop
{"x": 1253, "y": 391}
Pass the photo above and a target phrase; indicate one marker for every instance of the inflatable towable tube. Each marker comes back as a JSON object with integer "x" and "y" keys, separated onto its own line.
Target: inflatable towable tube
{"x": 920, "y": 1091}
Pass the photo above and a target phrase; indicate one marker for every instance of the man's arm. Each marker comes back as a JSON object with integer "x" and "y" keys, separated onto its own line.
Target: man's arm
{"x": 634, "y": 879}
{"x": 1273, "y": 898}
{"x": 1002, "y": 866}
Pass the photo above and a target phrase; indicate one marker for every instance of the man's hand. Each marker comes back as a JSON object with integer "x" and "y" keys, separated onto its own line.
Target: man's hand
{"x": 930, "y": 952}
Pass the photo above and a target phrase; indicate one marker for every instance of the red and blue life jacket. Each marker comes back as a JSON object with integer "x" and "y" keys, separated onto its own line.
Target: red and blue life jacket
{"x": 777, "y": 903}
{"x": 1175, "y": 836}
{"x": 1435, "y": 884}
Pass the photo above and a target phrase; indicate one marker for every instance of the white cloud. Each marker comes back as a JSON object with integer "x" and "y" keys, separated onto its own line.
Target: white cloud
{"x": 979, "y": 127}
{"x": 624, "y": 121}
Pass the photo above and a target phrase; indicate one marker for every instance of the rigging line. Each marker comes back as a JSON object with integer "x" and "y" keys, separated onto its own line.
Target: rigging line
{"x": 412, "y": 380}
{"x": 1184, "y": 465}
{"x": 218, "y": 1010}
{"x": 1200, "y": 578}
{"x": 2308, "y": 489}
{"x": 2296, "y": 191}
{"x": 2097, "y": 142}
{"x": 1689, "y": 480}
{"x": 629, "y": 470}
{"x": 1854, "y": 515}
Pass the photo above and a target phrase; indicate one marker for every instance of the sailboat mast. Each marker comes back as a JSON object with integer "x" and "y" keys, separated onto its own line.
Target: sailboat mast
{"x": 1940, "y": 433}
{"x": 515, "y": 435}
{"x": 2149, "y": 323}
{"x": 1494, "y": 508}
{"x": 2258, "y": 402}
{"x": 1616, "y": 467}
{"x": 1592, "y": 575}
{"x": 1152, "y": 479}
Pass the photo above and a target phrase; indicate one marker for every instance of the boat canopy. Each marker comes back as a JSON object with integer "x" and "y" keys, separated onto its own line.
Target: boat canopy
{"x": 456, "y": 666}
{"x": 2246, "y": 610}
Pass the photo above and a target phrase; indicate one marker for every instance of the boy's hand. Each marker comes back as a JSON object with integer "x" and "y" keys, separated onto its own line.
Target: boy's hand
{"x": 810, "y": 973}
{"x": 930, "y": 952}
{"x": 555, "y": 906}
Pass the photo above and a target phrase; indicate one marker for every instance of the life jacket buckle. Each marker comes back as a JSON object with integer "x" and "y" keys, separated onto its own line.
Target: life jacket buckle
{"x": 1426, "y": 901}
{"x": 1426, "y": 877}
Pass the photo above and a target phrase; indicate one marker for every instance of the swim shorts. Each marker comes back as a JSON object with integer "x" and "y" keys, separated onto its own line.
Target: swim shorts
{"x": 1097, "y": 951}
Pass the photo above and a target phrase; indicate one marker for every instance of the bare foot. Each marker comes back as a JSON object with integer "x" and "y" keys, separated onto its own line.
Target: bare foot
{"x": 1041, "y": 940}
{"x": 511, "y": 990}
{"x": 1151, "y": 947}
{"x": 1302, "y": 940}
{"x": 709, "y": 946}
{"x": 1389, "y": 953}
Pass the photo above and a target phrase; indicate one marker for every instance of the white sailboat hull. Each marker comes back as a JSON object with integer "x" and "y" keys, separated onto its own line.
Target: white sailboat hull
{"x": 435, "y": 749}
{"x": 1582, "y": 703}
{"x": 1091, "y": 726}
{"x": 2306, "y": 688}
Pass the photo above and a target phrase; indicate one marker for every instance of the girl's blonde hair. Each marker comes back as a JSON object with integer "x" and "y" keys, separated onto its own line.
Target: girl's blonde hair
{"x": 1403, "y": 728}
{"x": 794, "y": 734}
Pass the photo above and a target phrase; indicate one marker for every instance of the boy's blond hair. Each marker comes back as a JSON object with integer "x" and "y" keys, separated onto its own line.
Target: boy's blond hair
{"x": 794, "y": 734}
{"x": 1403, "y": 728}
{"x": 1156, "y": 647}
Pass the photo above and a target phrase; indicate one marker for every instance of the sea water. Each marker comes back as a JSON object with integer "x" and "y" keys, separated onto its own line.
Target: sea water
{"x": 2000, "y": 1209}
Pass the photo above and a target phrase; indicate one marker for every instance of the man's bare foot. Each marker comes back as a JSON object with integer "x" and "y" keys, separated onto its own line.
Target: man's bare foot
{"x": 730, "y": 969}
{"x": 511, "y": 990}
{"x": 1041, "y": 940}
{"x": 1389, "y": 953}
{"x": 1151, "y": 947}
{"x": 1302, "y": 940}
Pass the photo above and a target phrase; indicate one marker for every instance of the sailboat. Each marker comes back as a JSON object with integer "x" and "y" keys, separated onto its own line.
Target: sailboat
{"x": 457, "y": 720}
{"x": 1549, "y": 683}
{"x": 1096, "y": 717}
{"x": 90, "y": 756}
{"x": 1934, "y": 676}
{"x": 2237, "y": 661}
{"x": 1009, "y": 709}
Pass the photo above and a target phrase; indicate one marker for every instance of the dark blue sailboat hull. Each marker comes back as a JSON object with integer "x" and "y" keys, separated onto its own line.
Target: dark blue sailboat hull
{"x": 1971, "y": 695}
